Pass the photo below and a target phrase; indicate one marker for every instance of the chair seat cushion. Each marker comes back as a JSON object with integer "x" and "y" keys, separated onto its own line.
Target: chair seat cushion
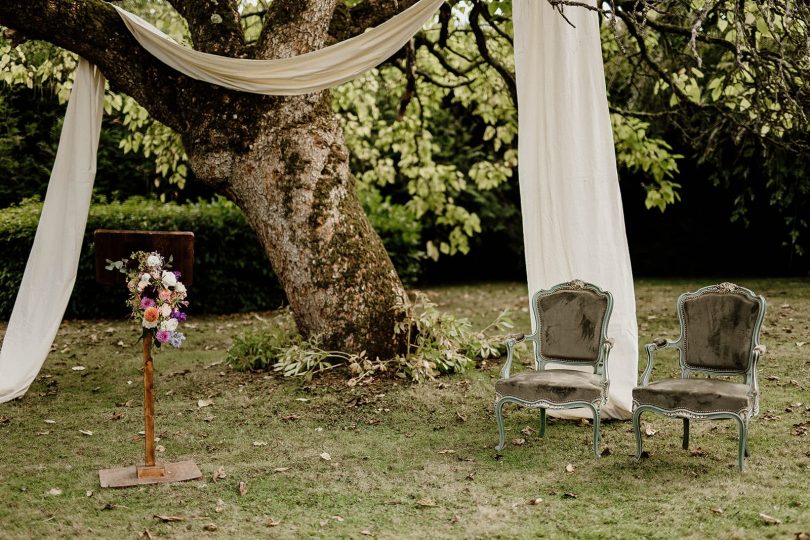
{"x": 697, "y": 395}
{"x": 555, "y": 385}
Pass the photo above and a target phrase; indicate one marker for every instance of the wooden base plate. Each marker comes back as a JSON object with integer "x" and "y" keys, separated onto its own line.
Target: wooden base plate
{"x": 128, "y": 476}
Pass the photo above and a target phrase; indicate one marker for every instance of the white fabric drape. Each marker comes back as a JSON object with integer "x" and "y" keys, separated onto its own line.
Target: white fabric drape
{"x": 573, "y": 222}
{"x": 301, "y": 74}
{"x": 51, "y": 269}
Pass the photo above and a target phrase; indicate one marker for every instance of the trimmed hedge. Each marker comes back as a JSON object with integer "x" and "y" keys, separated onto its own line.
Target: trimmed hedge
{"x": 231, "y": 271}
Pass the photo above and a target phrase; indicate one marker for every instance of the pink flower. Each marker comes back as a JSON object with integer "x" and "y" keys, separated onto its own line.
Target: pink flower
{"x": 165, "y": 295}
{"x": 163, "y": 335}
{"x": 147, "y": 303}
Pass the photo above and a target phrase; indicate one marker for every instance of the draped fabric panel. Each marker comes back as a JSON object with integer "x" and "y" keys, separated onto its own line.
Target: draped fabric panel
{"x": 303, "y": 74}
{"x": 52, "y": 265}
{"x": 573, "y": 223}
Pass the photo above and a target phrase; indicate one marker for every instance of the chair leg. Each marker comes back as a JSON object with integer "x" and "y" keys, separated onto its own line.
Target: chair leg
{"x": 542, "y": 422}
{"x": 743, "y": 443}
{"x": 686, "y": 434}
{"x": 637, "y": 431}
{"x": 597, "y": 436}
{"x": 499, "y": 417}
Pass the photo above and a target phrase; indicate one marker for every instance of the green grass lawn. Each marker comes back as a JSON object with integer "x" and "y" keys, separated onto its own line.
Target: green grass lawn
{"x": 404, "y": 461}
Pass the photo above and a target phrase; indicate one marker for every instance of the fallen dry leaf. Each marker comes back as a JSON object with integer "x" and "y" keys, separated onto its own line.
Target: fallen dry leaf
{"x": 219, "y": 474}
{"x": 801, "y": 536}
{"x": 204, "y": 403}
{"x": 259, "y": 443}
{"x": 281, "y": 469}
{"x": 220, "y": 506}
{"x": 519, "y": 442}
{"x": 338, "y": 518}
{"x": 242, "y": 488}
{"x": 649, "y": 432}
{"x": 426, "y": 502}
{"x": 325, "y": 456}
{"x": 697, "y": 452}
{"x": 169, "y": 519}
{"x": 88, "y": 493}
{"x": 447, "y": 451}
{"x": 272, "y": 522}
{"x": 366, "y": 532}
{"x": 210, "y": 527}
{"x": 527, "y": 431}
{"x": 569, "y": 468}
{"x": 717, "y": 510}
{"x": 770, "y": 520}
{"x": 49, "y": 421}
{"x": 534, "y": 502}
{"x": 569, "y": 495}
{"x": 146, "y": 534}
{"x": 54, "y": 491}
{"x": 160, "y": 448}
{"x": 291, "y": 417}
{"x": 78, "y": 368}
{"x": 86, "y": 432}
{"x": 461, "y": 417}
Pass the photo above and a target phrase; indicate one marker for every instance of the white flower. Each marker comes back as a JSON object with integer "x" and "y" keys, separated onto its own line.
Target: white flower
{"x": 147, "y": 324}
{"x": 165, "y": 311}
{"x": 180, "y": 287}
{"x": 169, "y": 279}
{"x": 142, "y": 285}
{"x": 169, "y": 325}
{"x": 146, "y": 277}
{"x": 153, "y": 260}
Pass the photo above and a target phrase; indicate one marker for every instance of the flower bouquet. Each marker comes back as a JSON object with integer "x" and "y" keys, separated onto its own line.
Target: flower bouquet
{"x": 156, "y": 296}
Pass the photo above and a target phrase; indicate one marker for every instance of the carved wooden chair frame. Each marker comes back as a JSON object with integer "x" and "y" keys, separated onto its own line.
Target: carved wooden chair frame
{"x": 540, "y": 361}
{"x": 741, "y": 416}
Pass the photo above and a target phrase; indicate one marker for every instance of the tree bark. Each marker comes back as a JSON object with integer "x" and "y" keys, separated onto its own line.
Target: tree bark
{"x": 282, "y": 160}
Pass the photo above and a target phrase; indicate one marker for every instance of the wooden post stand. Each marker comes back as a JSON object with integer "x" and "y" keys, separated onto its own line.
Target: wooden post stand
{"x": 150, "y": 469}
{"x": 150, "y": 472}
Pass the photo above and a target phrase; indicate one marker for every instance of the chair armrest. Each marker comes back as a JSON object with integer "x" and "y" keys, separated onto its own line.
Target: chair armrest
{"x": 511, "y": 341}
{"x": 607, "y": 346}
{"x": 751, "y": 380}
{"x": 651, "y": 348}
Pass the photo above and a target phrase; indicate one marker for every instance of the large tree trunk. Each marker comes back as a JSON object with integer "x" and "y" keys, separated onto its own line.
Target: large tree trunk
{"x": 282, "y": 160}
{"x": 294, "y": 184}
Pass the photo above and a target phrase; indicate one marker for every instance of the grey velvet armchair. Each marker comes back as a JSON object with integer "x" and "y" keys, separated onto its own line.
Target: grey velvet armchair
{"x": 571, "y": 330}
{"x": 720, "y": 328}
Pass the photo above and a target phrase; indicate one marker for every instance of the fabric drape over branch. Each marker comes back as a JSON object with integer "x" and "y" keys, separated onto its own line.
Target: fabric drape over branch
{"x": 54, "y": 260}
{"x": 301, "y": 74}
{"x": 573, "y": 222}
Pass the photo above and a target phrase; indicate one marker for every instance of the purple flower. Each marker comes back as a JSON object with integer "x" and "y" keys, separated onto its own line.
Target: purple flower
{"x": 176, "y": 339}
{"x": 147, "y": 302}
{"x": 163, "y": 335}
{"x": 179, "y": 315}
{"x": 177, "y": 274}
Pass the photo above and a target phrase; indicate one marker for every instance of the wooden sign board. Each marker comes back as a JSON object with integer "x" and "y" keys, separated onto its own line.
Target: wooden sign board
{"x": 116, "y": 245}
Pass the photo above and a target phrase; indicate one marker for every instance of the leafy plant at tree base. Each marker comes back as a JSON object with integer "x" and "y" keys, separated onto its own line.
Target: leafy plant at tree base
{"x": 440, "y": 343}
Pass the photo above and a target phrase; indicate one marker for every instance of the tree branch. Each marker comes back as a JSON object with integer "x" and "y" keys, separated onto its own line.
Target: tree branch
{"x": 294, "y": 27}
{"x": 95, "y": 31}
{"x": 214, "y": 25}
{"x": 481, "y": 42}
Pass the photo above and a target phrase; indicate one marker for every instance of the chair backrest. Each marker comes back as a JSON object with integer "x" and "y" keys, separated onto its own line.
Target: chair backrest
{"x": 572, "y": 321}
{"x": 720, "y": 326}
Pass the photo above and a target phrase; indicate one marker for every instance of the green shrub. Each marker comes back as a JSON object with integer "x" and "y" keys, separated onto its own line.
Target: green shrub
{"x": 231, "y": 270}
